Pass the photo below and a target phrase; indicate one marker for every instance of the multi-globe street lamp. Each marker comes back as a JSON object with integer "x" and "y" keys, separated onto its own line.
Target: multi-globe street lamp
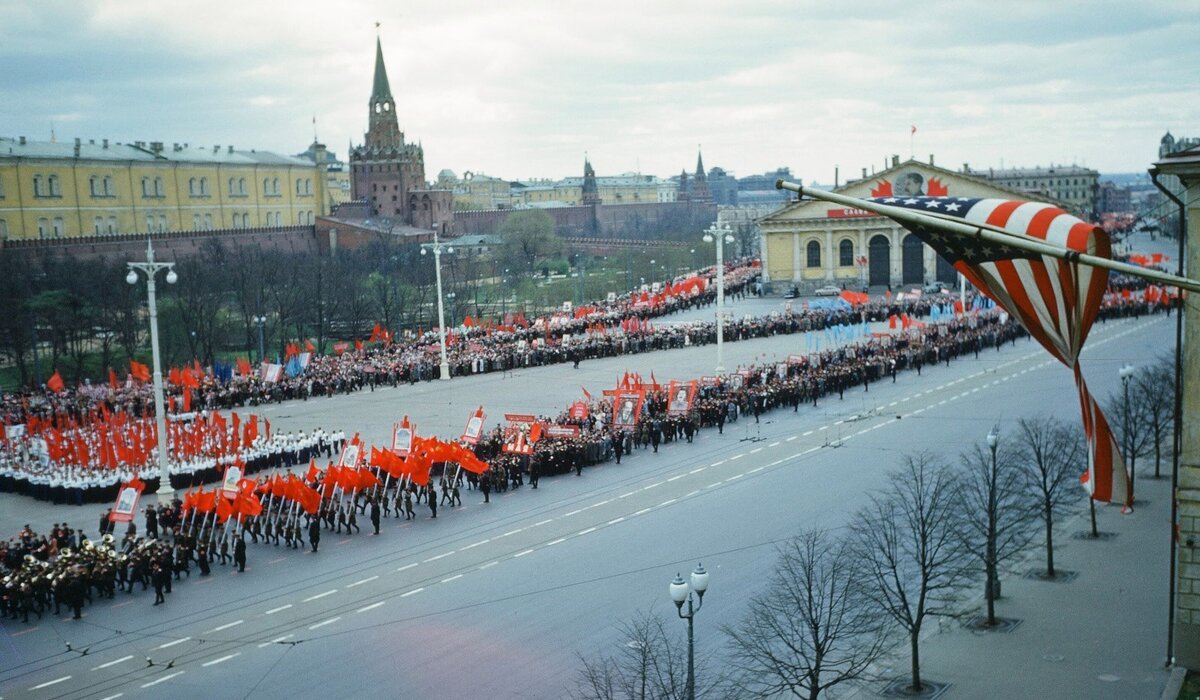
{"x": 151, "y": 268}
{"x": 261, "y": 322}
{"x": 680, "y": 593}
{"x": 1126, "y": 374}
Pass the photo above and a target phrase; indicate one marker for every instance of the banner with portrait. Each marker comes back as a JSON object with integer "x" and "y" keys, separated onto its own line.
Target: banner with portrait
{"x": 474, "y": 430}
{"x": 680, "y": 396}
{"x": 231, "y": 482}
{"x": 125, "y": 507}
{"x": 402, "y": 437}
{"x": 627, "y": 408}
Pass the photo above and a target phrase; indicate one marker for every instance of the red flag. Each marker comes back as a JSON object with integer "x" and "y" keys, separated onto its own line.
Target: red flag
{"x": 55, "y": 382}
{"x": 313, "y": 472}
{"x": 358, "y": 344}
{"x": 224, "y": 509}
{"x": 308, "y": 346}
{"x": 243, "y": 367}
{"x": 112, "y": 379}
{"x": 139, "y": 371}
{"x": 364, "y": 479}
{"x": 247, "y": 504}
{"x": 173, "y": 376}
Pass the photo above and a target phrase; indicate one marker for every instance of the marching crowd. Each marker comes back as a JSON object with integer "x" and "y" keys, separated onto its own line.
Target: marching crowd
{"x": 67, "y": 569}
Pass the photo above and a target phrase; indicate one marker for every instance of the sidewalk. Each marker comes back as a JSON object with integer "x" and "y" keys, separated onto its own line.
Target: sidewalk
{"x": 1101, "y": 635}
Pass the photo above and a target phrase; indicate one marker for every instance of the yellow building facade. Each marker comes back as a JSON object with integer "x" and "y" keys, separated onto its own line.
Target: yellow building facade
{"x": 68, "y": 190}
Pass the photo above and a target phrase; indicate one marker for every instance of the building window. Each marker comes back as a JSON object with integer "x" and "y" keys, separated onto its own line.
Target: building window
{"x": 208, "y": 222}
{"x": 845, "y": 253}
{"x": 162, "y": 222}
{"x": 110, "y": 189}
{"x": 145, "y": 187}
{"x": 307, "y": 186}
{"x": 43, "y": 227}
{"x": 93, "y": 190}
{"x": 1, "y": 188}
{"x": 191, "y": 187}
{"x": 112, "y": 225}
{"x": 160, "y": 189}
{"x": 149, "y": 223}
{"x": 37, "y": 186}
{"x": 242, "y": 186}
{"x": 203, "y": 187}
{"x": 55, "y": 188}
{"x": 98, "y": 222}
{"x": 232, "y": 186}
{"x": 3, "y": 230}
{"x": 59, "y": 228}
{"x": 195, "y": 222}
{"x": 814, "y": 254}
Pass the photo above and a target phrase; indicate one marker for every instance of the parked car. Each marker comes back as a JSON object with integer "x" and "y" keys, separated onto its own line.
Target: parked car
{"x": 792, "y": 293}
{"x": 829, "y": 290}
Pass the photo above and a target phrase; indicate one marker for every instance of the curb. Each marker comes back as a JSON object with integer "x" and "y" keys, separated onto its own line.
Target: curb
{"x": 1174, "y": 683}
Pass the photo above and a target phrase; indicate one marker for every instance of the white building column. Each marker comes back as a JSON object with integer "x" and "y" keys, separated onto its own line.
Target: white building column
{"x": 829, "y": 267}
{"x": 797, "y": 270}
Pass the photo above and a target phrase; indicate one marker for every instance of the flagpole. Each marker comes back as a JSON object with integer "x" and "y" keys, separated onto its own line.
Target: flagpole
{"x": 990, "y": 234}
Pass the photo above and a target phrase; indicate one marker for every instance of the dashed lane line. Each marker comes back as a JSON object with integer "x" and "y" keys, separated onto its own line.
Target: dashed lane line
{"x": 281, "y": 608}
{"x": 227, "y": 626}
{"x": 614, "y": 521}
{"x": 452, "y": 578}
{"x": 330, "y": 621}
{"x": 643, "y": 511}
{"x": 443, "y": 555}
{"x": 676, "y": 477}
{"x": 697, "y": 470}
{"x": 319, "y": 596}
{"x": 774, "y": 444}
{"x": 511, "y": 532}
{"x": 113, "y": 663}
{"x": 665, "y": 503}
{"x": 362, "y": 581}
{"x": 588, "y": 530}
{"x": 171, "y": 644}
{"x": 477, "y": 544}
{"x": 47, "y": 684}
{"x": 277, "y": 640}
{"x": 412, "y": 592}
{"x": 551, "y": 543}
{"x": 163, "y": 679}
{"x": 543, "y": 522}
{"x": 406, "y": 567}
{"x": 488, "y": 565}
{"x": 372, "y": 606}
{"x": 792, "y": 438}
{"x": 223, "y": 659}
{"x": 523, "y": 553}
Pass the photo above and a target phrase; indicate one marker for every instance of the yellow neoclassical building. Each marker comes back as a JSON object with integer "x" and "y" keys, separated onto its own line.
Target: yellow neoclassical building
{"x": 66, "y": 190}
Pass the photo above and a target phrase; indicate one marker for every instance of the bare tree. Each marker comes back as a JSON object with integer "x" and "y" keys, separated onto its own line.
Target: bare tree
{"x": 1130, "y": 423}
{"x": 810, "y": 629}
{"x": 650, "y": 662}
{"x": 908, "y": 554}
{"x": 1154, "y": 391}
{"x": 994, "y": 513}
{"x": 1050, "y": 453}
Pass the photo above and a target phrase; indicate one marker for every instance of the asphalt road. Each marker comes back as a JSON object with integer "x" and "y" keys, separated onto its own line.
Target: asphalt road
{"x": 497, "y": 600}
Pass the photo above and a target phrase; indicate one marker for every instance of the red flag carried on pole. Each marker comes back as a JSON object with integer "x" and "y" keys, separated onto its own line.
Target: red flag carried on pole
{"x": 55, "y": 382}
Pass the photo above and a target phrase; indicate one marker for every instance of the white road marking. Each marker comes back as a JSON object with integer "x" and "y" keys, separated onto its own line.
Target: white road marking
{"x": 627, "y": 495}
{"x": 774, "y": 444}
{"x": 225, "y": 627}
{"x": 577, "y": 511}
{"x": 757, "y": 470}
{"x": 440, "y": 556}
{"x": 272, "y": 611}
{"x": 412, "y": 592}
{"x": 452, "y": 578}
{"x": 511, "y": 532}
{"x": 476, "y": 544}
{"x": 676, "y": 477}
{"x": 735, "y": 476}
{"x": 164, "y": 678}
{"x": 756, "y": 450}
{"x": 223, "y": 659}
{"x": 319, "y": 596}
{"x": 521, "y": 554}
{"x": 276, "y": 640}
{"x": 663, "y": 504}
{"x": 560, "y": 540}
{"x": 806, "y": 434}
{"x": 839, "y": 422}
{"x": 547, "y": 520}
{"x": 584, "y": 532}
{"x": 601, "y": 503}
{"x": 361, "y": 582}
{"x": 893, "y": 404}
{"x": 644, "y": 510}
{"x": 647, "y": 488}
{"x": 113, "y": 697}
{"x": 488, "y": 565}
{"x": 792, "y": 438}
{"x": 736, "y": 457}
{"x": 906, "y": 398}
{"x": 693, "y": 493}
{"x": 372, "y": 606}
{"x": 713, "y": 485}
{"x": 717, "y": 464}
{"x": 697, "y": 470}
{"x": 919, "y": 410}
{"x": 614, "y": 521}
{"x": 407, "y": 566}
{"x": 171, "y": 644}
{"x": 47, "y": 684}
{"x": 330, "y": 621}
{"x": 113, "y": 663}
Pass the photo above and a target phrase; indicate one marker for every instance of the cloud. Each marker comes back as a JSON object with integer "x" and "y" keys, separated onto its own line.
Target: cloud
{"x": 522, "y": 89}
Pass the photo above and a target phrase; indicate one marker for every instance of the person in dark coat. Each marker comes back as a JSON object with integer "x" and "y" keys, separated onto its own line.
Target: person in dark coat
{"x": 239, "y": 552}
{"x": 202, "y": 559}
{"x": 159, "y": 576}
{"x": 314, "y": 533}
{"x": 485, "y": 485}
{"x": 375, "y": 514}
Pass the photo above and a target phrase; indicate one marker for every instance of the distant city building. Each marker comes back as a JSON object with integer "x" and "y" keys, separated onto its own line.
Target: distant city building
{"x": 760, "y": 189}
{"x": 1112, "y": 199}
{"x": 52, "y": 190}
{"x": 1163, "y": 210}
{"x": 479, "y": 191}
{"x": 723, "y": 186}
{"x": 389, "y": 173}
{"x": 337, "y": 176}
{"x": 1073, "y": 185}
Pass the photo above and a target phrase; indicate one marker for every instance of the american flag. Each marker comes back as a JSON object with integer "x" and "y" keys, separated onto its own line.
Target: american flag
{"x": 1055, "y": 300}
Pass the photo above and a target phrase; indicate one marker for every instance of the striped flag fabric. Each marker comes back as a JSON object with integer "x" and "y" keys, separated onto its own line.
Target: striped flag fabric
{"x": 1055, "y": 300}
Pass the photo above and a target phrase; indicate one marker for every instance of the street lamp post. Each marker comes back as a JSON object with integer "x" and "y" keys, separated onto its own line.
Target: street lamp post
{"x": 437, "y": 265}
{"x": 993, "y": 441}
{"x": 261, "y": 321}
{"x": 720, "y": 235}
{"x": 680, "y": 592}
{"x": 151, "y": 269}
{"x": 1126, "y": 373}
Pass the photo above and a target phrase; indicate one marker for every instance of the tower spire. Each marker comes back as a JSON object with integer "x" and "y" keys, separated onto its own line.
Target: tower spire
{"x": 381, "y": 91}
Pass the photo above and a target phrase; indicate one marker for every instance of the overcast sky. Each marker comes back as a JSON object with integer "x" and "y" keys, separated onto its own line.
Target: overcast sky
{"x": 522, "y": 89}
